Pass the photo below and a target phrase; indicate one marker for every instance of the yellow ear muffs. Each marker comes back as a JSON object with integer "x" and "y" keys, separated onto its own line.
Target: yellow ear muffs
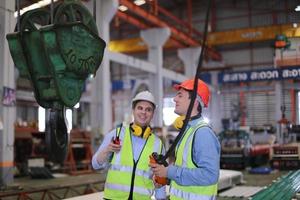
{"x": 138, "y": 131}
{"x": 147, "y": 132}
{"x": 178, "y": 123}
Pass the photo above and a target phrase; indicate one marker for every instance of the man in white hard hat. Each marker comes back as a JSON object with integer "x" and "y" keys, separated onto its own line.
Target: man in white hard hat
{"x": 125, "y": 152}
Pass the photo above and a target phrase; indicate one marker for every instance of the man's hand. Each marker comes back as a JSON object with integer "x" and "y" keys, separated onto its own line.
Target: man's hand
{"x": 159, "y": 170}
{"x": 104, "y": 155}
{"x": 113, "y": 147}
{"x": 156, "y": 185}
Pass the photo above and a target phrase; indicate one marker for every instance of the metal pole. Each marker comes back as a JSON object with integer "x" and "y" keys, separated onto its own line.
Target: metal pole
{"x": 18, "y": 17}
{"x": 51, "y": 11}
{"x": 94, "y": 9}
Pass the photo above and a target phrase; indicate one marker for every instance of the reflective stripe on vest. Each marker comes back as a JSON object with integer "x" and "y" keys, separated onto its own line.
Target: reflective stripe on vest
{"x": 118, "y": 181}
{"x": 138, "y": 172}
{"x": 184, "y": 159}
{"x": 126, "y": 188}
{"x": 179, "y": 194}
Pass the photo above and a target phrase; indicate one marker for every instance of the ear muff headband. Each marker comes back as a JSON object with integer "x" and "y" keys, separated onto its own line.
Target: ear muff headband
{"x": 138, "y": 131}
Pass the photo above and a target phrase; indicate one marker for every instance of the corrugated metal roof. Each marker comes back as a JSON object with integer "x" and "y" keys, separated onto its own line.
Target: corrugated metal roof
{"x": 283, "y": 188}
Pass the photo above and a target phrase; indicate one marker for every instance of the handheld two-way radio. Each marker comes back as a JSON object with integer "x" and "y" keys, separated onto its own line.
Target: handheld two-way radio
{"x": 161, "y": 159}
{"x": 157, "y": 158}
{"x": 116, "y": 139}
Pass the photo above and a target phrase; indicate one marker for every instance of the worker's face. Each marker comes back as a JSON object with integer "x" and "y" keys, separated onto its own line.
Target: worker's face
{"x": 143, "y": 113}
{"x": 182, "y": 101}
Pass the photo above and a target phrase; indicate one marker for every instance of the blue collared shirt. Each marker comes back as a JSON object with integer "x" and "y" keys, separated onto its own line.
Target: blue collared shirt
{"x": 206, "y": 155}
{"x": 137, "y": 147}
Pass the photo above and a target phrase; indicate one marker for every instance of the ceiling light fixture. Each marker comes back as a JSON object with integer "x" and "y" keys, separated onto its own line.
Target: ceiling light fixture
{"x": 39, "y": 4}
{"x": 123, "y": 8}
{"x": 139, "y": 2}
{"x": 297, "y": 8}
{"x": 295, "y": 25}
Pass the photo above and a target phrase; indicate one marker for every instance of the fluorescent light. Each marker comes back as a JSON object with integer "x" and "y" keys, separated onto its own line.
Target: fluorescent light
{"x": 77, "y": 105}
{"x": 69, "y": 119}
{"x": 297, "y": 8}
{"x": 39, "y": 4}
{"x": 139, "y": 2}
{"x": 91, "y": 76}
{"x": 41, "y": 117}
{"x": 123, "y": 8}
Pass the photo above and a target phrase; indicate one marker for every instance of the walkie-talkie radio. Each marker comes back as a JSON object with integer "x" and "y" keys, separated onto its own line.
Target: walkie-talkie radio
{"x": 157, "y": 158}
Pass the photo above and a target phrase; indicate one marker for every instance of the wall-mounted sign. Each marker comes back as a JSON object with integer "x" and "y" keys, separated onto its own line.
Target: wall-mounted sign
{"x": 260, "y": 75}
{"x": 9, "y": 96}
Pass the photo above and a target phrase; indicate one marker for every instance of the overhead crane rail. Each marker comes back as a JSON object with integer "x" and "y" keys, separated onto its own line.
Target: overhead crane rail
{"x": 244, "y": 35}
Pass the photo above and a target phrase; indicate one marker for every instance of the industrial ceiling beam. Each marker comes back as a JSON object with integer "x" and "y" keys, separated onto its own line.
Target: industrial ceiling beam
{"x": 132, "y": 20}
{"x": 178, "y": 21}
{"x": 137, "y": 44}
{"x": 236, "y": 36}
{"x": 156, "y": 21}
{"x": 176, "y": 33}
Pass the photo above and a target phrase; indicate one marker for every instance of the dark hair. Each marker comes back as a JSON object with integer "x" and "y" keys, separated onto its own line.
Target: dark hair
{"x": 135, "y": 102}
{"x": 199, "y": 108}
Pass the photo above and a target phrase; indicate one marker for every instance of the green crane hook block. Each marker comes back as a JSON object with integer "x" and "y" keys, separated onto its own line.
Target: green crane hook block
{"x": 28, "y": 55}
{"x": 57, "y": 58}
{"x": 73, "y": 52}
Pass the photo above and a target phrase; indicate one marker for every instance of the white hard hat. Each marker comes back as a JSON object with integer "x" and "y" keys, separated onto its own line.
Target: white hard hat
{"x": 144, "y": 96}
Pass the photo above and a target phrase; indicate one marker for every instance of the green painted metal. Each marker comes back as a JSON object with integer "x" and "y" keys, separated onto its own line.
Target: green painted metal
{"x": 73, "y": 11}
{"x": 57, "y": 58}
{"x": 284, "y": 188}
{"x": 27, "y": 52}
{"x": 73, "y": 53}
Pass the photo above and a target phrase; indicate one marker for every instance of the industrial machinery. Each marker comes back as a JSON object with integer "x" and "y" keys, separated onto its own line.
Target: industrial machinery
{"x": 235, "y": 149}
{"x": 238, "y": 150}
{"x": 57, "y": 51}
{"x": 286, "y": 155}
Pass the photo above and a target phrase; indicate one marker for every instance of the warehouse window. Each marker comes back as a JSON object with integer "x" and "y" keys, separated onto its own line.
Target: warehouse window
{"x": 168, "y": 111}
{"x": 42, "y": 118}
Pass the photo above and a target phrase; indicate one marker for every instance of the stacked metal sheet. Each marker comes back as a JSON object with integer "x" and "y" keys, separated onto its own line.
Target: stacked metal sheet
{"x": 284, "y": 188}
{"x": 240, "y": 192}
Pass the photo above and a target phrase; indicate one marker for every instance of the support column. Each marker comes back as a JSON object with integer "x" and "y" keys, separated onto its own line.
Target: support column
{"x": 155, "y": 39}
{"x": 190, "y": 58}
{"x": 101, "y": 106}
{"x": 215, "y": 104}
{"x": 278, "y": 104}
{"x": 7, "y": 79}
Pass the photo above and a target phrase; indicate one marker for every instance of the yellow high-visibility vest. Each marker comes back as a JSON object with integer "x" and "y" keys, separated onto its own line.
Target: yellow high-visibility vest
{"x": 123, "y": 172}
{"x": 184, "y": 159}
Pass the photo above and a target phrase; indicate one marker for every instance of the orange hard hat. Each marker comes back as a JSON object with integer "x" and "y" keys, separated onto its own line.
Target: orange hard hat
{"x": 202, "y": 90}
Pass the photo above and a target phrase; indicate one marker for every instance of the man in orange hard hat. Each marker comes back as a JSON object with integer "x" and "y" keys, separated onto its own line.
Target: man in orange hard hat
{"x": 195, "y": 173}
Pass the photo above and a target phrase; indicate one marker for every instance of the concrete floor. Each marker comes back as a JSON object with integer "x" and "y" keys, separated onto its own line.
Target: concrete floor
{"x": 54, "y": 188}
{"x": 77, "y": 184}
